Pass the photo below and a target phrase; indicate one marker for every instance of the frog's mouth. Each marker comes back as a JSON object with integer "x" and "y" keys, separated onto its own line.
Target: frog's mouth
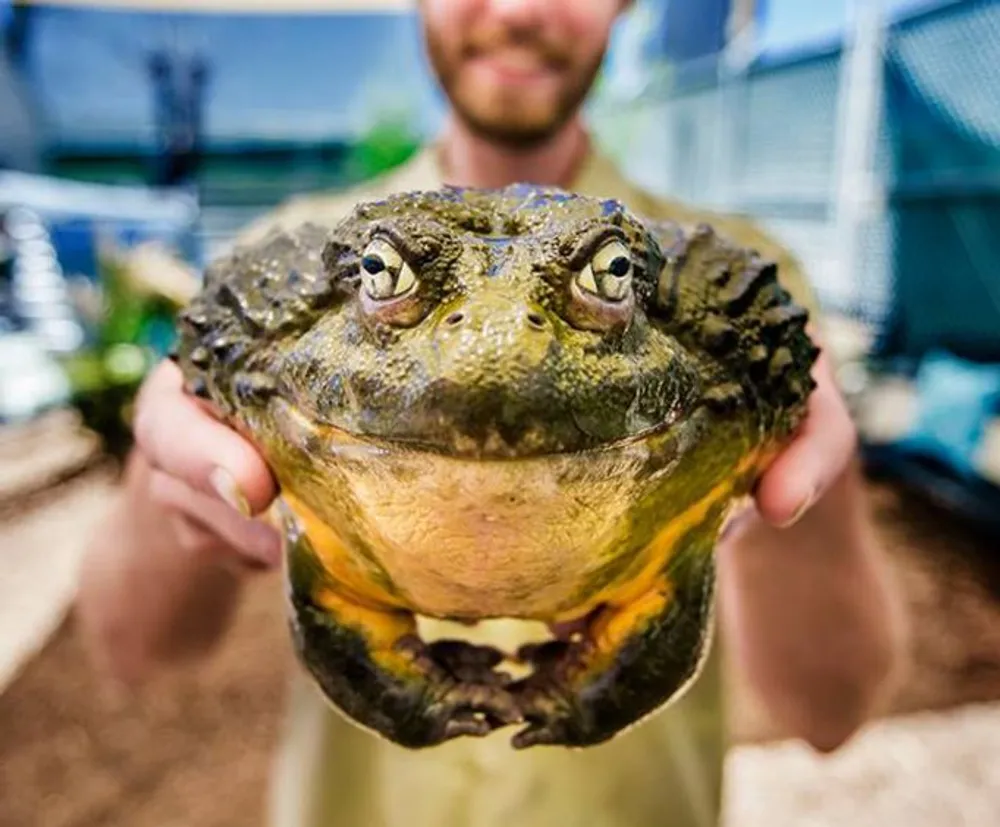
{"x": 495, "y": 404}
{"x": 486, "y": 443}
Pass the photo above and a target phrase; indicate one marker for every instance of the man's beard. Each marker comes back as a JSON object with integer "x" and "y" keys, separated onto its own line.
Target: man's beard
{"x": 508, "y": 124}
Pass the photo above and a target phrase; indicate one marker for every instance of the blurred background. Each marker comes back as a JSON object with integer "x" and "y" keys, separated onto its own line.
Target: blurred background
{"x": 137, "y": 137}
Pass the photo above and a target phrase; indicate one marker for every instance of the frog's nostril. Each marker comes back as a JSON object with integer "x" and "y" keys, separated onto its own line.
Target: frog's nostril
{"x": 455, "y": 318}
{"x": 536, "y": 321}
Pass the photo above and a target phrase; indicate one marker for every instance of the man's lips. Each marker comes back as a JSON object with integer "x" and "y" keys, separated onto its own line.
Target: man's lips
{"x": 515, "y": 66}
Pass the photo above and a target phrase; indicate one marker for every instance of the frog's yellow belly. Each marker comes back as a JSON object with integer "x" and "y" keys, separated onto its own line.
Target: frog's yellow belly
{"x": 487, "y": 540}
{"x": 446, "y": 537}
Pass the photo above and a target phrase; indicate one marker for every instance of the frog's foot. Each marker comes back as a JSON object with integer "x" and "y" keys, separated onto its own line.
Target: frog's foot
{"x": 627, "y": 662}
{"x": 372, "y": 666}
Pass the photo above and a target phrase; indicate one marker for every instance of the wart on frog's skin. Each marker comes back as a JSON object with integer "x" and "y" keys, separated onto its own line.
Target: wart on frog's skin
{"x": 514, "y": 403}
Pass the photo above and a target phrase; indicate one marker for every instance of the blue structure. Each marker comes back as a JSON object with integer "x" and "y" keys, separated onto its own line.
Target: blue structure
{"x": 699, "y": 30}
{"x": 693, "y": 30}
{"x": 765, "y": 144}
{"x": 693, "y": 35}
{"x": 20, "y": 136}
{"x": 942, "y": 133}
{"x": 942, "y": 123}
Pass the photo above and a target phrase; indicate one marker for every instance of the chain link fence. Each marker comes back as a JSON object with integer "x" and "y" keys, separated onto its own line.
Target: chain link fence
{"x": 772, "y": 143}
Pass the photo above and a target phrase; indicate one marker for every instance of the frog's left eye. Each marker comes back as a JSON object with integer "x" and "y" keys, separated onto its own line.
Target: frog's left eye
{"x": 384, "y": 274}
{"x": 609, "y": 273}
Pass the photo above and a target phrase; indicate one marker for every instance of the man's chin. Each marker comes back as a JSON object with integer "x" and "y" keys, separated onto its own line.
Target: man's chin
{"x": 513, "y": 137}
{"x": 513, "y": 131}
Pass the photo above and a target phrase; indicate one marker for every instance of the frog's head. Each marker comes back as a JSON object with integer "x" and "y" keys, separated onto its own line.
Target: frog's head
{"x": 493, "y": 323}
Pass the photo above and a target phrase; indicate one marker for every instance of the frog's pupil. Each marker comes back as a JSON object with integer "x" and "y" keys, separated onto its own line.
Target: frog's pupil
{"x": 373, "y": 264}
{"x": 619, "y": 266}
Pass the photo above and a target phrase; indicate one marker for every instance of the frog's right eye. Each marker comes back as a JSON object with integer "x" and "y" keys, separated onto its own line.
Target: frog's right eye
{"x": 608, "y": 274}
{"x": 384, "y": 273}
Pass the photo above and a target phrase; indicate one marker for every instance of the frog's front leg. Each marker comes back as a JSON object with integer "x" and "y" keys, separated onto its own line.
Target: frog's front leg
{"x": 378, "y": 672}
{"x": 628, "y": 661}
{"x": 372, "y": 666}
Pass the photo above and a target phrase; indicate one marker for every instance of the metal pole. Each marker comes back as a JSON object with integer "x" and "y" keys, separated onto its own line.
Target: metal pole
{"x": 733, "y": 68}
{"x": 857, "y": 194}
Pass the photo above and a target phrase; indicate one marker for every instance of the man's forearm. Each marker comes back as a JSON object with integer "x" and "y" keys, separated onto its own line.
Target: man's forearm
{"x": 144, "y": 600}
{"x": 813, "y": 616}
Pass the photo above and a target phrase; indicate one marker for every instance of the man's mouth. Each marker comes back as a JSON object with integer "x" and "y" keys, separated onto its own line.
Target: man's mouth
{"x": 516, "y": 62}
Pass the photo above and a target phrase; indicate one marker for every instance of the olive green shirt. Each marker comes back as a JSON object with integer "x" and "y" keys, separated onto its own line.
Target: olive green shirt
{"x": 667, "y": 772}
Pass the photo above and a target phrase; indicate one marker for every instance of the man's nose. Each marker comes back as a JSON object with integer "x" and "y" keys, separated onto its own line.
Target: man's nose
{"x": 517, "y": 12}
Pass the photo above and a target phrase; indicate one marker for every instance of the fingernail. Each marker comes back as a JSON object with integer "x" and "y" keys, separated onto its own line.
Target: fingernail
{"x": 799, "y": 512}
{"x": 229, "y": 491}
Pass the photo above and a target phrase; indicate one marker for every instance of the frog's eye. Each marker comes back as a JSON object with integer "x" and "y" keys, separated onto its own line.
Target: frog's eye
{"x": 609, "y": 273}
{"x": 384, "y": 274}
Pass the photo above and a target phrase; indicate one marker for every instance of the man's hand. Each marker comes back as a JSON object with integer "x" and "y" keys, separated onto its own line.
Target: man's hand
{"x": 162, "y": 577}
{"x": 210, "y": 481}
{"x": 817, "y": 457}
{"x": 809, "y": 604}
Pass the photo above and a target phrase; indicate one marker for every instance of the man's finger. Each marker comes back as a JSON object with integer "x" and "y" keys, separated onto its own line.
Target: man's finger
{"x": 213, "y": 527}
{"x": 180, "y": 438}
{"x": 815, "y": 459}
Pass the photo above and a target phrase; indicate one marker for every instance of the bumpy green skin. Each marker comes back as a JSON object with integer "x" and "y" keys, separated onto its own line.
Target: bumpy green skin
{"x": 494, "y": 358}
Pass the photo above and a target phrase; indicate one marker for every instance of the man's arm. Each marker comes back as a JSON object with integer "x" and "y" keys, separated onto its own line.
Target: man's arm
{"x": 163, "y": 573}
{"x": 811, "y": 611}
{"x": 808, "y": 603}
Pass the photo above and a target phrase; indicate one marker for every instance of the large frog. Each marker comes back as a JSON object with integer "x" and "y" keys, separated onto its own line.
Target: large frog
{"x": 517, "y": 403}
